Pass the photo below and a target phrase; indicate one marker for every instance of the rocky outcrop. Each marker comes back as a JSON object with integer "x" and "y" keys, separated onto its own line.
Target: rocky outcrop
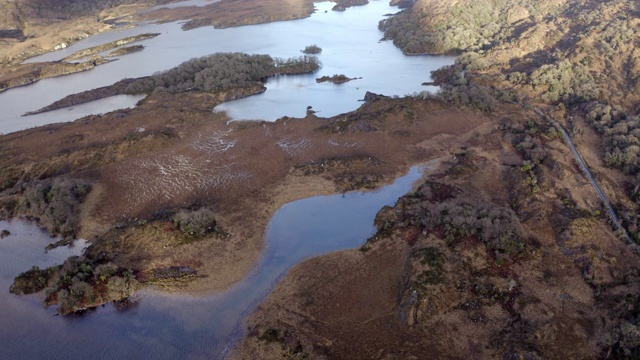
{"x": 336, "y": 79}
{"x": 369, "y": 96}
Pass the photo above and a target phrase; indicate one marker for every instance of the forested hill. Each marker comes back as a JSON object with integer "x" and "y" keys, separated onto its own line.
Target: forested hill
{"x": 580, "y": 59}
{"x": 559, "y": 50}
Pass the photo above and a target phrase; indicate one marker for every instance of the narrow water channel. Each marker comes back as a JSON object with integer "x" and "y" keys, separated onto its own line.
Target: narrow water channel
{"x": 166, "y": 326}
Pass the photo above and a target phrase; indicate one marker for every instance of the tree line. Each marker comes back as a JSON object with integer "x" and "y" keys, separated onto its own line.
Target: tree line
{"x": 222, "y": 71}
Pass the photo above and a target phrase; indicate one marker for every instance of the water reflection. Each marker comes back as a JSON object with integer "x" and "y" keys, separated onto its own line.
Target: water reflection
{"x": 170, "y": 326}
{"x": 350, "y": 41}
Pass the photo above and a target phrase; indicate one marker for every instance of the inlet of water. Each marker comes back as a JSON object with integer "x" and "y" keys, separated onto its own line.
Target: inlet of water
{"x": 351, "y": 46}
{"x": 165, "y": 326}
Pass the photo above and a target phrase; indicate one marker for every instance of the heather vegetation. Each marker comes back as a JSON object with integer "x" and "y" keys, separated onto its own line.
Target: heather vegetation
{"x": 222, "y": 71}
{"x": 480, "y": 31}
{"x": 588, "y": 69}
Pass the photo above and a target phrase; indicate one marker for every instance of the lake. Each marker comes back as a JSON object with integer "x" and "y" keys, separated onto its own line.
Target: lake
{"x": 351, "y": 46}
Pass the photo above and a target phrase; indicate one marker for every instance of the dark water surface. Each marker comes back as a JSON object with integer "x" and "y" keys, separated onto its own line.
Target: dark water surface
{"x": 170, "y": 326}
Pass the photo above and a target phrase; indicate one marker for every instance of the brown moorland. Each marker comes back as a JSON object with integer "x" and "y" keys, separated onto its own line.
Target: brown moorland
{"x": 502, "y": 252}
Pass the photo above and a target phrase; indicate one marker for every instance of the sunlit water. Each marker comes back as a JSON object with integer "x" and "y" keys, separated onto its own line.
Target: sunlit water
{"x": 183, "y": 327}
{"x": 166, "y": 326}
{"x": 350, "y": 43}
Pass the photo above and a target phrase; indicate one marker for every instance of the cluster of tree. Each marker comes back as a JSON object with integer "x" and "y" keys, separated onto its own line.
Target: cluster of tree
{"x": 474, "y": 26}
{"x": 621, "y": 143}
{"x": 196, "y": 223}
{"x": 566, "y": 82}
{"x": 82, "y": 284}
{"x": 447, "y": 210}
{"x": 222, "y": 71}
{"x": 55, "y": 202}
{"x": 407, "y": 33}
{"x": 498, "y": 227}
{"x": 77, "y": 284}
{"x": 32, "y": 281}
{"x": 621, "y": 136}
{"x": 296, "y": 65}
{"x": 472, "y": 96}
{"x": 457, "y": 90}
{"x": 312, "y": 49}
{"x": 528, "y": 139}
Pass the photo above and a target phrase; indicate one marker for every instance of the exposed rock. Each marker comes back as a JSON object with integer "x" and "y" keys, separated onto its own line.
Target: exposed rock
{"x": 369, "y": 96}
{"x": 11, "y": 34}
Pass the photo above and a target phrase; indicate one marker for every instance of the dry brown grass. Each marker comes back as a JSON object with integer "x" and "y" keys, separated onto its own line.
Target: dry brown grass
{"x": 244, "y": 171}
{"x": 353, "y": 304}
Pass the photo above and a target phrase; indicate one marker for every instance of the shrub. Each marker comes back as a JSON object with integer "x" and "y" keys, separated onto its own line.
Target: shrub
{"x": 83, "y": 283}
{"x": 472, "y": 96}
{"x": 32, "y": 281}
{"x": 498, "y": 227}
{"x": 195, "y": 223}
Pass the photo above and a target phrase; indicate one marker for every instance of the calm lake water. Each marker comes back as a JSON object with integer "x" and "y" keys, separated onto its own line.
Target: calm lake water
{"x": 164, "y": 326}
{"x": 350, "y": 43}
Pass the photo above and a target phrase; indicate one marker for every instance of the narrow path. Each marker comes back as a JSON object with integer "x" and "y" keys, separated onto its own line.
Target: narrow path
{"x": 587, "y": 172}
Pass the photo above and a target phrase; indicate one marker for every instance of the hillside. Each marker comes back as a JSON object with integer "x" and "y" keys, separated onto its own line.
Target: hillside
{"x": 33, "y": 27}
{"x": 504, "y": 251}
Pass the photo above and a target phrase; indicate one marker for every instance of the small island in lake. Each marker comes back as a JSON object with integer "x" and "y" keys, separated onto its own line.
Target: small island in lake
{"x": 312, "y": 50}
{"x": 336, "y": 79}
